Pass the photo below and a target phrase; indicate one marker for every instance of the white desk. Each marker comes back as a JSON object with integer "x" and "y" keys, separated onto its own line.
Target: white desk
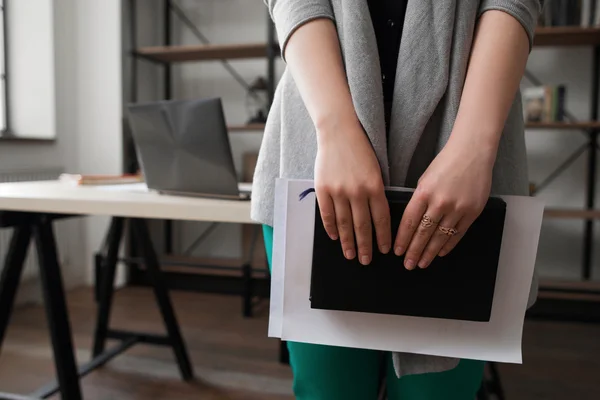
{"x": 31, "y": 208}
{"x": 119, "y": 201}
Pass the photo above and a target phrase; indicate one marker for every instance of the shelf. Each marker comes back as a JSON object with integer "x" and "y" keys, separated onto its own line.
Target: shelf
{"x": 573, "y": 213}
{"x": 587, "y": 291}
{"x": 577, "y": 286}
{"x": 207, "y": 266}
{"x": 567, "y": 36}
{"x": 563, "y": 125}
{"x": 554, "y": 36}
{"x": 168, "y": 54}
{"x": 200, "y": 270}
{"x": 246, "y": 128}
{"x": 552, "y": 295}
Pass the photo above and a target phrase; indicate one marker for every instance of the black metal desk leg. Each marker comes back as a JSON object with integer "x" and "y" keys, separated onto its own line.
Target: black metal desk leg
{"x": 98, "y": 265}
{"x": 140, "y": 231}
{"x": 247, "y": 296}
{"x": 107, "y": 280}
{"x": 247, "y": 275}
{"x": 11, "y": 274}
{"x": 56, "y": 311}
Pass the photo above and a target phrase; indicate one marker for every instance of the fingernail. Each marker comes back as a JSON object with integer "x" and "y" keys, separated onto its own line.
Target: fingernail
{"x": 333, "y": 236}
{"x": 350, "y": 254}
{"x": 423, "y": 264}
{"x": 409, "y": 264}
{"x": 442, "y": 253}
{"x": 385, "y": 249}
{"x": 364, "y": 260}
{"x": 398, "y": 251}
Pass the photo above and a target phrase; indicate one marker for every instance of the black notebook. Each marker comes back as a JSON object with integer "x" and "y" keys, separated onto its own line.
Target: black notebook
{"x": 458, "y": 286}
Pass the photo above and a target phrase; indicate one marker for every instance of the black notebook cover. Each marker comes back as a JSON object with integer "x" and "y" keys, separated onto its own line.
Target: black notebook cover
{"x": 458, "y": 286}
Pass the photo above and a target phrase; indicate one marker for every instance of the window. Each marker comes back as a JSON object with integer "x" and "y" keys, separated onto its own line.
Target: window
{"x": 27, "y": 79}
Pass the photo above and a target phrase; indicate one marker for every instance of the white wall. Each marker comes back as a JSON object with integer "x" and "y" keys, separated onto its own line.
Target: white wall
{"x": 99, "y": 93}
{"x": 235, "y": 21}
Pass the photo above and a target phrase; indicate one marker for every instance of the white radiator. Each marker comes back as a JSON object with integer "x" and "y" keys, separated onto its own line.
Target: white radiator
{"x": 31, "y": 267}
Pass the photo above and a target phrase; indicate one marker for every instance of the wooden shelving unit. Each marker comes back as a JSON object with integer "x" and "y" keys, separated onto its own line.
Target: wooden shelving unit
{"x": 547, "y": 294}
{"x": 571, "y": 213}
{"x": 208, "y": 266}
{"x": 584, "y": 287}
{"x": 567, "y": 36}
{"x": 554, "y": 296}
{"x": 564, "y": 125}
{"x": 584, "y": 294}
{"x": 576, "y": 36}
{"x": 554, "y": 36}
{"x": 173, "y": 54}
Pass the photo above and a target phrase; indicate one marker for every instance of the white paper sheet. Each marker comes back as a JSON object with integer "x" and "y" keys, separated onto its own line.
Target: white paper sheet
{"x": 277, "y": 260}
{"x": 291, "y": 317}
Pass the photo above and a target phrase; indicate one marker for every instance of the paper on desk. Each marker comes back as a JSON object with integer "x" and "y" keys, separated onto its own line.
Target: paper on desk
{"x": 291, "y": 317}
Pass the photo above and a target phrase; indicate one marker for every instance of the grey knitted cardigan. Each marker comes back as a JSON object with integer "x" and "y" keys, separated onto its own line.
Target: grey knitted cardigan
{"x": 432, "y": 64}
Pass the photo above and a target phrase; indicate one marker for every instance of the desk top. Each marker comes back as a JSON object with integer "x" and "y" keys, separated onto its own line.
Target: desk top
{"x": 132, "y": 201}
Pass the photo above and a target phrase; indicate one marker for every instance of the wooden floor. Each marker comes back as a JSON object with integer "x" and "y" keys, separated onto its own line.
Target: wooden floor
{"x": 233, "y": 359}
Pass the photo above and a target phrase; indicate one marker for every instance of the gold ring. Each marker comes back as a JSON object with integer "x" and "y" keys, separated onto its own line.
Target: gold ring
{"x": 427, "y": 222}
{"x": 447, "y": 231}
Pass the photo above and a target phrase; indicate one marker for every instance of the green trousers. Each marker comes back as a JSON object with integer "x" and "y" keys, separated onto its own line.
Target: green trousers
{"x": 332, "y": 373}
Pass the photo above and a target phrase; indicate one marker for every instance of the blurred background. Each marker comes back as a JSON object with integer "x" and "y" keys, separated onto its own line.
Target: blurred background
{"x": 70, "y": 69}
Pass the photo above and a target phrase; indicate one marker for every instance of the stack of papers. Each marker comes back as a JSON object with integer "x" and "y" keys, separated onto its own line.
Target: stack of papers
{"x": 292, "y": 318}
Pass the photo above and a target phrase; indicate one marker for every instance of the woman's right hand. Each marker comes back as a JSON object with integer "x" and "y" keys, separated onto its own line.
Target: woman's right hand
{"x": 347, "y": 175}
{"x": 350, "y": 190}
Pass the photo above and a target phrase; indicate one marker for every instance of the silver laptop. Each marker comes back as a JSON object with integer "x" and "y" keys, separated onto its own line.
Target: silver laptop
{"x": 183, "y": 148}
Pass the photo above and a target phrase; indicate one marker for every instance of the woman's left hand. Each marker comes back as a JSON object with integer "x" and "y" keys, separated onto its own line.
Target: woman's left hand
{"x": 450, "y": 195}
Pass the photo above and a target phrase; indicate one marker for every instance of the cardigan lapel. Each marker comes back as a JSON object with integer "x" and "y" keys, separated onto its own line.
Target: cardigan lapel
{"x": 421, "y": 78}
{"x": 363, "y": 72}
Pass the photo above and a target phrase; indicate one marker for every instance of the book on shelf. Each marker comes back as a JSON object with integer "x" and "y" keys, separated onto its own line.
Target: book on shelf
{"x": 78, "y": 179}
{"x": 544, "y": 103}
{"x": 583, "y": 13}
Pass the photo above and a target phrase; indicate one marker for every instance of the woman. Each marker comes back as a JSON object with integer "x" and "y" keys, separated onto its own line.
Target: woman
{"x": 421, "y": 94}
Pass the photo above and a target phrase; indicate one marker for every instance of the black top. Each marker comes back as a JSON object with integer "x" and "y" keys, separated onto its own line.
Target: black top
{"x": 388, "y": 20}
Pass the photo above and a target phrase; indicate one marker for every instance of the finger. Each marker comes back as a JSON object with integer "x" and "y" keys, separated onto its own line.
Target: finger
{"x": 380, "y": 212}
{"x": 462, "y": 226}
{"x": 361, "y": 217}
{"x": 423, "y": 233}
{"x": 345, "y": 228}
{"x": 438, "y": 239}
{"x": 410, "y": 221}
{"x": 327, "y": 214}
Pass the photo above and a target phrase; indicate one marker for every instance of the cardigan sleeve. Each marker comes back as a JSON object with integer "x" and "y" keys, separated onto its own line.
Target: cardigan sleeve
{"x": 524, "y": 11}
{"x": 289, "y": 15}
